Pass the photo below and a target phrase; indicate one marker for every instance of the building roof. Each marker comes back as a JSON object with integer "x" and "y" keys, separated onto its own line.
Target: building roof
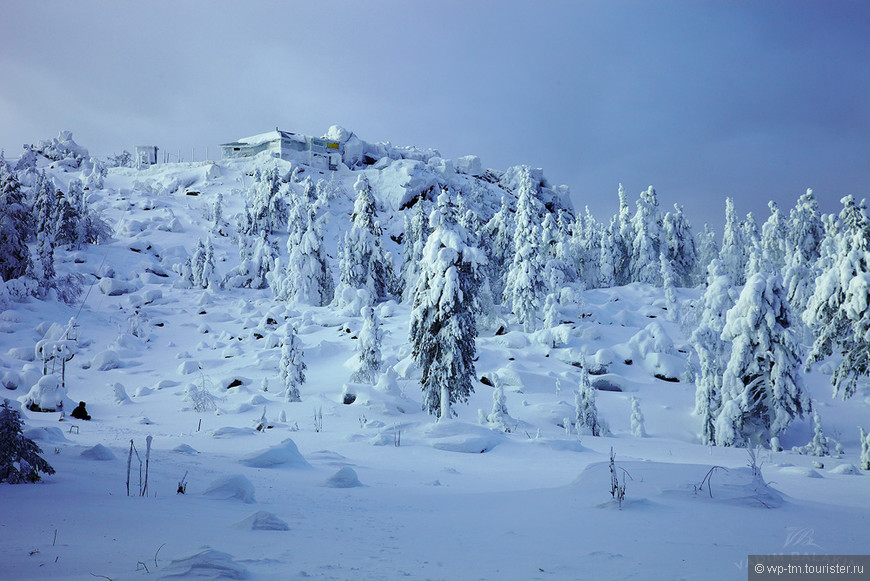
{"x": 266, "y": 138}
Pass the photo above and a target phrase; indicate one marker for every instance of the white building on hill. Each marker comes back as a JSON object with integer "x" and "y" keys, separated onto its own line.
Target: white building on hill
{"x": 316, "y": 152}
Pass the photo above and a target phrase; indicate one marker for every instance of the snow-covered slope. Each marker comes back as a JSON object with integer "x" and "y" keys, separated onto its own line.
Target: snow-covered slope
{"x": 355, "y": 481}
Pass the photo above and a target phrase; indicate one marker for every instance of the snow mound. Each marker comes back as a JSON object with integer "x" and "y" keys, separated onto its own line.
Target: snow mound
{"x": 231, "y": 487}
{"x": 800, "y": 471}
{"x": 231, "y": 432}
{"x": 454, "y": 436}
{"x": 45, "y": 435}
{"x": 207, "y": 563}
{"x": 345, "y": 478}
{"x": 99, "y": 453}
{"x": 106, "y": 361}
{"x": 185, "y": 449}
{"x": 262, "y": 521}
{"x": 846, "y": 469}
{"x": 114, "y": 287}
{"x": 285, "y": 454}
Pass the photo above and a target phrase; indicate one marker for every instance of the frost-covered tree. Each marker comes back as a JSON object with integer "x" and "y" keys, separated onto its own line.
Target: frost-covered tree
{"x": 20, "y": 459}
{"x": 805, "y": 229}
{"x": 498, "y": 242}
{"x": 708, "y": 249}
{"x": 733, "y": 254}
{"x": 208, "y": 277}
{"x": 525, "y": 285}
{"x": 839, "y": 314}
{"x": 607, "y": 258}
{"x": 680, "y": 245}
{"x": 638, "y": 429}
{"x": 669, "y": 285}
{"x": 586, "y": 412}
{"x": 257, "y": 255}
{"x": 364, "y": 263}
{"x": 292, "y": 366}
{"x": 14, "y": 226}
{"x": 368, "y": 348}
{"x": 416, "y": 233}
{"x": 865, "y": 448}
{"x": 763, "y": 375}
{"x": 711, "y": 349}
{"x": 443, "y": 326}
{"x": 266, "y": 204}
{"x": 774, "y": 237}
{"x": 498, "y": 417}
{"x": 623, "y": 236}
{"x": 307, "y": 278}
{"x": 820, "y": 445}
{"x": 645, "y": 247}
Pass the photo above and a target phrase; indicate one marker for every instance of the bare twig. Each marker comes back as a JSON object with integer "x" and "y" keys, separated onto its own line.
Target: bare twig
{"x": 155, "y": 555}
{"x": 102, "y": 576}
{"x": 141, "y": 565}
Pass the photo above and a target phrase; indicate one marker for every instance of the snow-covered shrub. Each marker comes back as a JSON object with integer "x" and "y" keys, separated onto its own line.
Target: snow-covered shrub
{"x": 865, "y": 449}
{"x": 48, "y": 395}
{"x": 638, "y": 430}
{"x": 62, "y": 147}
{"x": 820, "y": 445}
{"x": 20, "y": 459}
{"x": 368, "y": 348}
{"x": 292, "y": 367}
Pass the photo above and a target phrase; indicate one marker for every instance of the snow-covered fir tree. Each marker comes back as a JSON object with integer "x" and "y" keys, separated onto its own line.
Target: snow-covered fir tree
{"x": 307, "y": 278}
{"x": 364, "y": 263}
{"x": 266, "y": 204}
{"x": 708, "y": 249}
{"x": 680, "y": 245}
{"x": 820, "y": 445}
{"x": 443, "y": 326}
{"x": 774, "y": 237}
{"x": 416, "y": 233}
{"x": 368, "y": 348}
{"x": 497, "y": 241}
{"x": 647, "y": 226}
{"x": 292, "y": 367}
{"x": 764, "y": 371}
{"x": 20, "y": 459}
{"x": 498, "y": 417}
{"x": 607, "y": 257}
{"x": 14, "y": 226}
{"x": 585, "y": 410}
{"x": 838, "y": 311}
{"x": 711, "y": 348}
{"x": 623, "y": 237}
{"x": 638, "y": 428}
{"x": 865, "y": 449}
{"x": 669, "y": 285}
{"x": 258, "y": 255}
{"x": 733, "y": 254}
{"x": 806, "y": 230}
{"x": 525, "y": 285}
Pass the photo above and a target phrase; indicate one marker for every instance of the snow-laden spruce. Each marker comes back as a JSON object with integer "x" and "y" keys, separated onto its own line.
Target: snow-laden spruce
{"x": 443, "y": 326}
{"x": 20, "y": 459}
{"x": 762, "y": 388}
{"x": 645, "y": 247}
{"x": 524, "y": 284}
{"x": 363, "y": 261}
{"x": 585, "y": 410}
{"x": 839, "y": 309}
{"x": 368, "y": 348}
{"x": 307, "y": 278}
{"x": 292, "y": 366}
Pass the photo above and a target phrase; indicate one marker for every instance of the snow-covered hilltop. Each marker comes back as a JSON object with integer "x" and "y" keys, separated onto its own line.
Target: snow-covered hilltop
{"x": 365, "y": 361}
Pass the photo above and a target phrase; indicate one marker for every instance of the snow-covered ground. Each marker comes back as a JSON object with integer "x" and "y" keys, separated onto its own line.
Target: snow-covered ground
{"x": 374, "y": 488}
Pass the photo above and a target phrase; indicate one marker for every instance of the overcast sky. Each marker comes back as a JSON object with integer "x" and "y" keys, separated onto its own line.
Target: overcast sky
{"x": 703, "y": 99}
